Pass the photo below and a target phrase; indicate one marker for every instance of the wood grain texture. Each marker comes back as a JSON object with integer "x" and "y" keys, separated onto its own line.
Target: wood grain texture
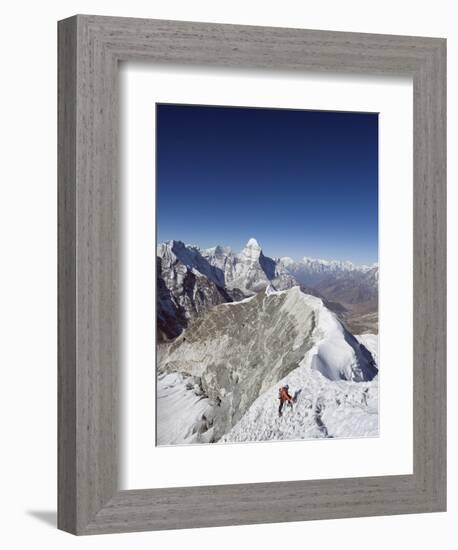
{"x": 67, "y": 437}
{"x": 90, "y": 48}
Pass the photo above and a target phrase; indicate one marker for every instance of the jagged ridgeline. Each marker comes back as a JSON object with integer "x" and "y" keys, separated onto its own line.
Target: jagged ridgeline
{"x": 191, "y": 280}
{"x": 232, "y": 327}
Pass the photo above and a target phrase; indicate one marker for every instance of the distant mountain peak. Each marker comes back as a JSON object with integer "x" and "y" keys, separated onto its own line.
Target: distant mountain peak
{"x": 252, "y": 243}
{"x": 218, "y": 250}
{"x": 252, "y": 252}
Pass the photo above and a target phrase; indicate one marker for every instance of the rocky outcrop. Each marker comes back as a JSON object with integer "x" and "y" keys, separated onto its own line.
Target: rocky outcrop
{"x": 182, "y": 295}
{"x": 190, "y": 281}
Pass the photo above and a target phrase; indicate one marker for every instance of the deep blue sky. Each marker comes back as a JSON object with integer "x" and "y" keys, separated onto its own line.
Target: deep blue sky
{"x": 303, "y": 183}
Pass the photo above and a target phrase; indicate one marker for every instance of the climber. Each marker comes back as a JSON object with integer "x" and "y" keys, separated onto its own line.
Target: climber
{"x": 284, "y": 397}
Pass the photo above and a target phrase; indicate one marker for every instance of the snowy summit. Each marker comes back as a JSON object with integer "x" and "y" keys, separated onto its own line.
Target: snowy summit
{"x": 252, "y": 243}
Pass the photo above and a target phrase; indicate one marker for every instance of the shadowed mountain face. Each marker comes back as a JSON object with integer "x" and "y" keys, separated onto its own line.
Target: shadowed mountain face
{"x": 184, "y": 293}
{"x": 191, "y": 280}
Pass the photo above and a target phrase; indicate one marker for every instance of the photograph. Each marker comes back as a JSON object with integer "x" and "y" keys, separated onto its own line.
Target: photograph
{"x": 227, "y": 393}
{"x": 267, "y": 274}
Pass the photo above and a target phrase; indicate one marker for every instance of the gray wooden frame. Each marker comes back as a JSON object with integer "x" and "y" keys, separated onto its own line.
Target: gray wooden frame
{"x": 90, "y": 48}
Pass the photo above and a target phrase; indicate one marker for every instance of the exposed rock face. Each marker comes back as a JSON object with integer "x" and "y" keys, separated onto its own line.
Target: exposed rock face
{"x": 170, "y": 314}
{"x": 183, "y": 294}
{"x": 176, "y": 255}
{"x": 190, "y": 281}
{"x": 237, "y": 351}
{"x": 361, "y": 322}
{"x": 250, "y": 270}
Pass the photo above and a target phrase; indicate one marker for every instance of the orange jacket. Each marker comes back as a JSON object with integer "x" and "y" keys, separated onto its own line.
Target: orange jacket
{"x": 284, "y": 395}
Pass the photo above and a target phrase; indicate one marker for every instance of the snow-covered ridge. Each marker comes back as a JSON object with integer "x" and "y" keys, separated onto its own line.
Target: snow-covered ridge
{"x": 342, "y": 282}
{"x": 322, "y": 409}
{"x": 320, "y": 265}
{"x": 191, "y": 280}
{"x": 249, "y": 270}
{"x": 221, "y": 257}
{"x": 240, "y": 351}
{"x": 252, "y": 242}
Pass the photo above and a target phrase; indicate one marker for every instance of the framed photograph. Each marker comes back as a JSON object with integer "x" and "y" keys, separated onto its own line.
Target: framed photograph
{"x": 257, "y": 347}
{"x": 282, "y": 358}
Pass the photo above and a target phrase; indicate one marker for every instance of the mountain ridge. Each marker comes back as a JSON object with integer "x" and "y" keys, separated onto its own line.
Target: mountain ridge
{"x": 190, "y": 280}
{"x": 236, "y": 352}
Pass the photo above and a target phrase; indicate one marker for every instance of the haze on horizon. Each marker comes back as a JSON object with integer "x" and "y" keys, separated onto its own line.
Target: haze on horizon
{"x": 302, "y": 183}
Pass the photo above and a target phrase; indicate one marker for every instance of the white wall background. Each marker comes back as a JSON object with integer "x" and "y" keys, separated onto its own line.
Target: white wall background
{"x": 28, "y": 270}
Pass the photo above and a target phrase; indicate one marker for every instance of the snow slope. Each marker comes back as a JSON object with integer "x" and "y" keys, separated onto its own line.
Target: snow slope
{"x": 239, "y": 351}
{"x": 323, "y": 409}
{"x": 182, "y": 411}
